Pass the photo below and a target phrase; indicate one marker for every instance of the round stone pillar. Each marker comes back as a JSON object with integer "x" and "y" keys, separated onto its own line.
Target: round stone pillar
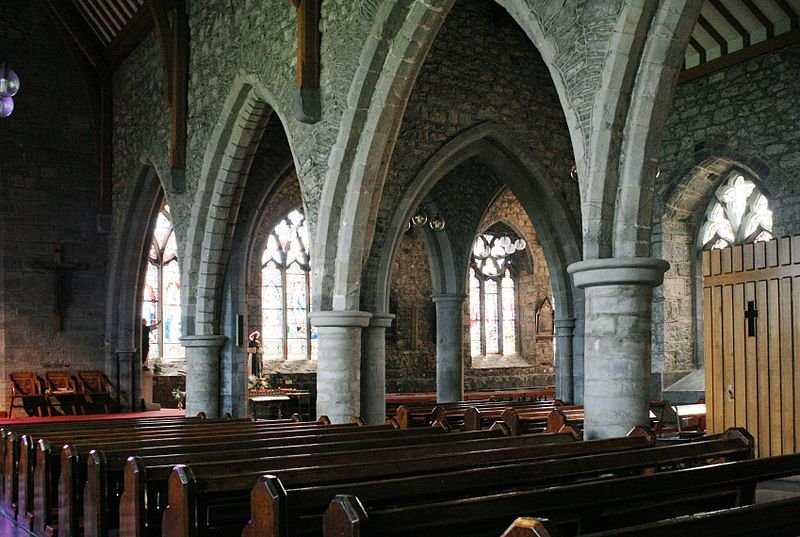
{"x": 202, "y": 373}
{"x": 618, "y": 297}
{"x": 339, "y": 363}
{"x": 373, "y": 369}
{"x": 564, "y": 329}
{"x": 449, "y": 354}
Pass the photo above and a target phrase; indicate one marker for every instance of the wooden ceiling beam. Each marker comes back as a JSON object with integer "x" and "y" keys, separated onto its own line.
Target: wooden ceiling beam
{"x": 718, "y": 38}
{"x": 307, "y": 106}
{"x": 762, "y": 18}
{"x": 733, "y": 21}
{"x": 131, "y": 35}
{"x": 794, "y": 19}
{"x": 699, "y": 48}
{"x": 164, "y": 38}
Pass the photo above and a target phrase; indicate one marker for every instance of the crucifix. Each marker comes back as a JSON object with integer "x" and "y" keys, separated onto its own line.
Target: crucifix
{"x": 307, "y": 107}
{"x": 751, "y": 313}
{"x": 60, "y": 270}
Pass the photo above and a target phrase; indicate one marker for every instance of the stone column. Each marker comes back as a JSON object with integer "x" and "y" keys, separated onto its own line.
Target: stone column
{"x": 202, "y": 373}
{"x": 373, "y": 369}
{"x": 618, "y": 297}
{"x": 339, "y": 363}
{"x": 126, "y": 389}
{"x": 564, "y": 370}
{"x": 449, "y": 352}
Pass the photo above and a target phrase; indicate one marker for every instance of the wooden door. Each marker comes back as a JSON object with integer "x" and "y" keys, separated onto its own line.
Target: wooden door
{"x": 751, "y": 319}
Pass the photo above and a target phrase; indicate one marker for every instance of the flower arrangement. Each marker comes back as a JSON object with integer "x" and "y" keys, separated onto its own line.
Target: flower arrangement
{"x": 179, "y": 395}
{"x": 259, "y": 384}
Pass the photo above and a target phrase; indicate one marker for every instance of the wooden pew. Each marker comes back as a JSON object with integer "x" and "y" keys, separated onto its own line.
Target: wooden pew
{"x": 779, "y": 518}
{"x": 525, "y": 422}
{"x": 196, "y": 500}
{"x": 584, "y": 507}
{"x": 520, "y": 419}
{"x": 105, "y": 468}
{"x": 14, "y": 469}
{"x": 67, "y": 467}
{"x": 279, "y": 507}
{"x": 417, "y": 415}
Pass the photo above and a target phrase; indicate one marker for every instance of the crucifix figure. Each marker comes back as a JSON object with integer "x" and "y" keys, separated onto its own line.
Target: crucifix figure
{"x": 60, "y": 271}
{"x": 307, "y": 106}
{"x": 751, "y": 314}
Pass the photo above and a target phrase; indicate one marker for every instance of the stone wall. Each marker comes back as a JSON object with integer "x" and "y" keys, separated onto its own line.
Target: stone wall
{"x": 745, "y": 116}
{"x": 411, "y": 341}
{"x": 49, "y": 187}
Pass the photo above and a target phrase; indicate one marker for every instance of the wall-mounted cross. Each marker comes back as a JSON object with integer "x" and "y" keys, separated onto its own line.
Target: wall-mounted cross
{"x": 307, "y": 106}
{"x": 60, "y": 270}
{"x": 751, "y": 314}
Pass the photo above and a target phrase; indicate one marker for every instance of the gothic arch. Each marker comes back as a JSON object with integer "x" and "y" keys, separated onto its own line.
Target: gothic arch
{"x": 128, "y": 264}
{"x": 402, "y": 34}
{"x": 225, "y": 168}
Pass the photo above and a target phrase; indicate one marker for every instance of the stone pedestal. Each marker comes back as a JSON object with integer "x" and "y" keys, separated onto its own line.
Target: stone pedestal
{"x": 125, "y": 382}
{"x": 373, "y": 369}
{"x": 202, "y": 373}
{"x": 339, "y": 363}
{"x": 147, "y": 388}
{"x": 449, "y": 352}
{"x": 618, "y": 296}
{"x": 564, "y": 329}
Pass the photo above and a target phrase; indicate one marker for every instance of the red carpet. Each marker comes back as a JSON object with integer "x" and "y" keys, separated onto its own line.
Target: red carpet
{"x": 163, "y": 413}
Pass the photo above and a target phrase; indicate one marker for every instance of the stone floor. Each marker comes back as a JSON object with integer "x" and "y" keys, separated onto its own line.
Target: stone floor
{"x": 778, "y": 489}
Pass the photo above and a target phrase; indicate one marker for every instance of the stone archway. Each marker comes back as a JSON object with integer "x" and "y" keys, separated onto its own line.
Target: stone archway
{"x": 126, "y": 278}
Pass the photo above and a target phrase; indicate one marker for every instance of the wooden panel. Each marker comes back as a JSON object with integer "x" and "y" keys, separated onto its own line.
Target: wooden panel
{"x": 796, "y": 354}
{"x": 737, "y": 258}
{"x": 708, "y": 355}
{"x": 718, "y": 387}
{"x": 728, "y": 357}
{"x": 752, "y": 370}
{"x": 762, "y": 362}
{"x": 760, "y": 255}
{"x": 769, "y": 273}
{"x": 726, "y": 260}
{"x": 748, "y": 257}
{"x": 716, "y": 262}
{"x": 772, "y": 253}
{"x": 785, "y": 251}
{"x": 796, "y": 249}
{"x": 787, "y": 368}
{"x": 740, "y": 360}
{"x": 773, "y": 304}
{"x": 706, "y": 263}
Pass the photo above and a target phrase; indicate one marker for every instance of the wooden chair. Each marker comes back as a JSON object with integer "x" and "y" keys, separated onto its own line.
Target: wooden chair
{"x": 62, "y": 391}
{"x": 27, "y": 391}
{"x": 95, "y": 388}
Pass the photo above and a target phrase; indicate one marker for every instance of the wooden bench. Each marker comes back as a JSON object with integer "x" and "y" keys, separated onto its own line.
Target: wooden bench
{"x": 212, "y": 499}
{"x": 95, "y": 390}
{"x": 780, "y": 518}
{"x": 28, "y": 391}
{"x": 68, "y": 469}
{"x": 105, "y": 469}
{"x": 425, "y": 414}
{"x": 282, "y": 507}
{"x": 584, "y": 507}
{"x": 525, "y": 421}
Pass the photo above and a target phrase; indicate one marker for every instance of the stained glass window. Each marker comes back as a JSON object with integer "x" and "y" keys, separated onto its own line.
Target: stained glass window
{"x": 492, "y": 295}
{"x": 738, "y": 213}
{"x": 285, "y": 292}
{"x": 161, "y": 301}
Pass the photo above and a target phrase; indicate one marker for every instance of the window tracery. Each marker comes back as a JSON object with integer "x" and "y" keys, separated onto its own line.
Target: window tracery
{"x": 286, "y": 290}
{"x": 738, "y": 213}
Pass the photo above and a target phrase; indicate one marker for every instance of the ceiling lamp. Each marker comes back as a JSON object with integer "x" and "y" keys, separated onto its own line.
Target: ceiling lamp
{"x": 437, "y": 223}
{"x": 9, "y": 86}
{"x": 420, "y": 218}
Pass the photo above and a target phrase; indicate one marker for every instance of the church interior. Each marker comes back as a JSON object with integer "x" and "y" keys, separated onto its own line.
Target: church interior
{"x": 563, "y": 230}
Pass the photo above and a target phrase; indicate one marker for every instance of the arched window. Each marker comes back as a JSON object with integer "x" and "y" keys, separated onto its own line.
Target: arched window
{"x": 161, "y": 303}
{"x": 492, "y": 295}
{"x": 285, "y": 292}
{"x": 738, "y": 213}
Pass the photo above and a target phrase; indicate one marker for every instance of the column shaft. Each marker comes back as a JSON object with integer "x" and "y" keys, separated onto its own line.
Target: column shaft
{"x": 202, "y": 373}
{"x": 373, "y": 370}
{"x": 339, "y": 363}
{"x": 618, "y": 295}
{"x": 449, "y": 352}
{"x": 564, "y": 329}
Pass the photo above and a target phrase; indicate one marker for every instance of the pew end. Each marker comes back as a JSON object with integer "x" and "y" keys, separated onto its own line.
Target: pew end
{"x": 441, "y": 424}
{"x": 393, "y": 422}
{"x": 642, "y": 431}
{"x": 25, "y": 482}
{"x": 324, "y": 420}
{"x": 132, "y": 522}
{"x": 267, "y": 508}
{"x": 358, "y": 420}
{"x": 68, "y": 520}
{"x": 344, "y": 517}
{"x": 202, "y": 415}
{"x": 42, "y": 480}
{"x": 180, "y": 515}
{"x": 571, "y": 429}
{"x": 95, "y": 495}
{"x": 501, "y": 426}
{"x": 530, "y": 527}
{"x": 743, "y": 435}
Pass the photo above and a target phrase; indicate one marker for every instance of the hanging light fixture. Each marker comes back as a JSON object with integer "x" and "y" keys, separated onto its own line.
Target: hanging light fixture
{"x": 437, "y": 223}
{"x": 9, "y": 86}
{"x": 419, "y": 218}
